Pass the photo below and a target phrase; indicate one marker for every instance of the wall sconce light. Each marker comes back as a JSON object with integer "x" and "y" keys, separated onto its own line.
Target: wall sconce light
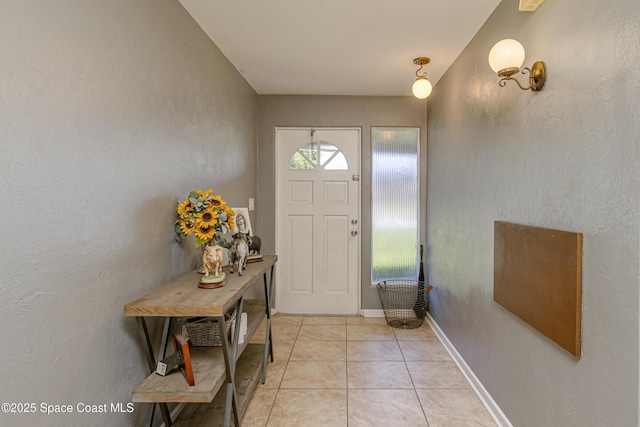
{"x": 506, "y": 58}
{"x": 422, "y": 86}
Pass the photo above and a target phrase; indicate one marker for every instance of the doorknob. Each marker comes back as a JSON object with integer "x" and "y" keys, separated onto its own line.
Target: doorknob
{"x": 354, "y": 232}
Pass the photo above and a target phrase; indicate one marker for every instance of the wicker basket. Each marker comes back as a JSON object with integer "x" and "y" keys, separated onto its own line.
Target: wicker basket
{"x": 205, "y": 331}
{"x": 404, "y": 302}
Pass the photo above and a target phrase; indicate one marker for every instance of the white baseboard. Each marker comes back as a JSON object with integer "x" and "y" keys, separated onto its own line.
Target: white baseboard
{"x": 372, "y": 313}
{"x": 492, "y": 407}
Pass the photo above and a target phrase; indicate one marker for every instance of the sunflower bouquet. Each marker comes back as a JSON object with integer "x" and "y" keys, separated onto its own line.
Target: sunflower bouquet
{"x": 205, "y": 215}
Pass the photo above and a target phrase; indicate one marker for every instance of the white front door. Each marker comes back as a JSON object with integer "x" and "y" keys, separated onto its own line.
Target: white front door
{"x": 318, "y": 220}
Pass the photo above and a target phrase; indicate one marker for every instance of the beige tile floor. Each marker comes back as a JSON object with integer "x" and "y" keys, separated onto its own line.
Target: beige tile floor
{"x": 356, "y": 371}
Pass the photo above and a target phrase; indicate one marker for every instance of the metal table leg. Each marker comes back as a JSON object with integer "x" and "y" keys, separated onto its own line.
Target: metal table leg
{"x": 230, "y": 359}
{"x": 268, "y": 344}
{"x": 151, "y": 362}
{"x": 271, "y": 290}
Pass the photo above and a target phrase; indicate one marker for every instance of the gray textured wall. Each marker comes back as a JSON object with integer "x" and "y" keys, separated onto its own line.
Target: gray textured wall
{"x": 355, "y": 111}
{"x": 564, "y": 158}
{"x": 109, "y": 112}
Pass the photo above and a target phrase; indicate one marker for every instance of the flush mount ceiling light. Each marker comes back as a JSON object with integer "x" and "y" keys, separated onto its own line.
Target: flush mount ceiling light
{"x": 422, "y": 86}
{"x": 507, "y": 56}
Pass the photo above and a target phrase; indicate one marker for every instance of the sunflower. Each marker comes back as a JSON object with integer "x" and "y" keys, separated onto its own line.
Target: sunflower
{"x": 205, "y": 232}
{"x": 186, "y": 226}
{"x": 231, "y": 217}
{"x": 185, "y": 207}
{"x": 217, "y": 201}
{"x": 207, "y": 217}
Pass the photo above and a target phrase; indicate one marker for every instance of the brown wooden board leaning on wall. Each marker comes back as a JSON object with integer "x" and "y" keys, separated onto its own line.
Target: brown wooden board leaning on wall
{"x": 538, "y": 277}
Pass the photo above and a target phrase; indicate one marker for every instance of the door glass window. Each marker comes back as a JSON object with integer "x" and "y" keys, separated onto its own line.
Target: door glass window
{"x": 318, "y": 153}
{"x": 394, "y": 203}
{"x": 300, "y": 162}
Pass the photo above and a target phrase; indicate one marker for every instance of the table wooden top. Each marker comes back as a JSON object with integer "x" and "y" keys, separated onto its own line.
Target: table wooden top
{"x": 183, "y": 297}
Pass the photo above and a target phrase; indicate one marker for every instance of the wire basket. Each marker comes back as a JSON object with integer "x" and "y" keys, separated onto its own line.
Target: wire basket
{"x": 205, "y": 331}
{"x": 404, "y": 302}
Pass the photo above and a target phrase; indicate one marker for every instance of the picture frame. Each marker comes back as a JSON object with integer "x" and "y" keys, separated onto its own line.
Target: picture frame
{"x": 242, "y": 221}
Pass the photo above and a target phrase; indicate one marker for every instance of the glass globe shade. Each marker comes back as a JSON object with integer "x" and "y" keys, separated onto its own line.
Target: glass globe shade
{"x": 507, "y": 53}
{"x": 421, "y": 88}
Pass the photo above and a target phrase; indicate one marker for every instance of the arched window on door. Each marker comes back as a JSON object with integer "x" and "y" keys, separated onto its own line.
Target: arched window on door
{"x": 318, "y": 154}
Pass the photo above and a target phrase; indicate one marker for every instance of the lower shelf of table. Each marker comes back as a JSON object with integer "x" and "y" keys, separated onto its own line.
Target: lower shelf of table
{"x": 212, "y": 413}
{"x": 208, "y": 369}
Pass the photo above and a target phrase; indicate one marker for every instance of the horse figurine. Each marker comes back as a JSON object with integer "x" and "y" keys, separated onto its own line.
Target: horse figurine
{"x": 239, "y": 252}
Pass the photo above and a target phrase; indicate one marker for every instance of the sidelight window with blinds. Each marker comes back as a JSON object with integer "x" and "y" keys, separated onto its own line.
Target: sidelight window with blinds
{"x": 395, "y": 203}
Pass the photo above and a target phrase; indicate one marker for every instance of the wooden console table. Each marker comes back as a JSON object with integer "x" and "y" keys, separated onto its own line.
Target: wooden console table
{"x": 237, "y": 366}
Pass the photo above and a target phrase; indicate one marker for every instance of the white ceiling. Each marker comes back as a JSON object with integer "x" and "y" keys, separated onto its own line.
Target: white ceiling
{"x": 339, "y": 47}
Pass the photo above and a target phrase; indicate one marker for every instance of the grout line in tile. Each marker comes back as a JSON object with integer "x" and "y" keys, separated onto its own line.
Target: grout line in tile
{"x": 347, "y": 388}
